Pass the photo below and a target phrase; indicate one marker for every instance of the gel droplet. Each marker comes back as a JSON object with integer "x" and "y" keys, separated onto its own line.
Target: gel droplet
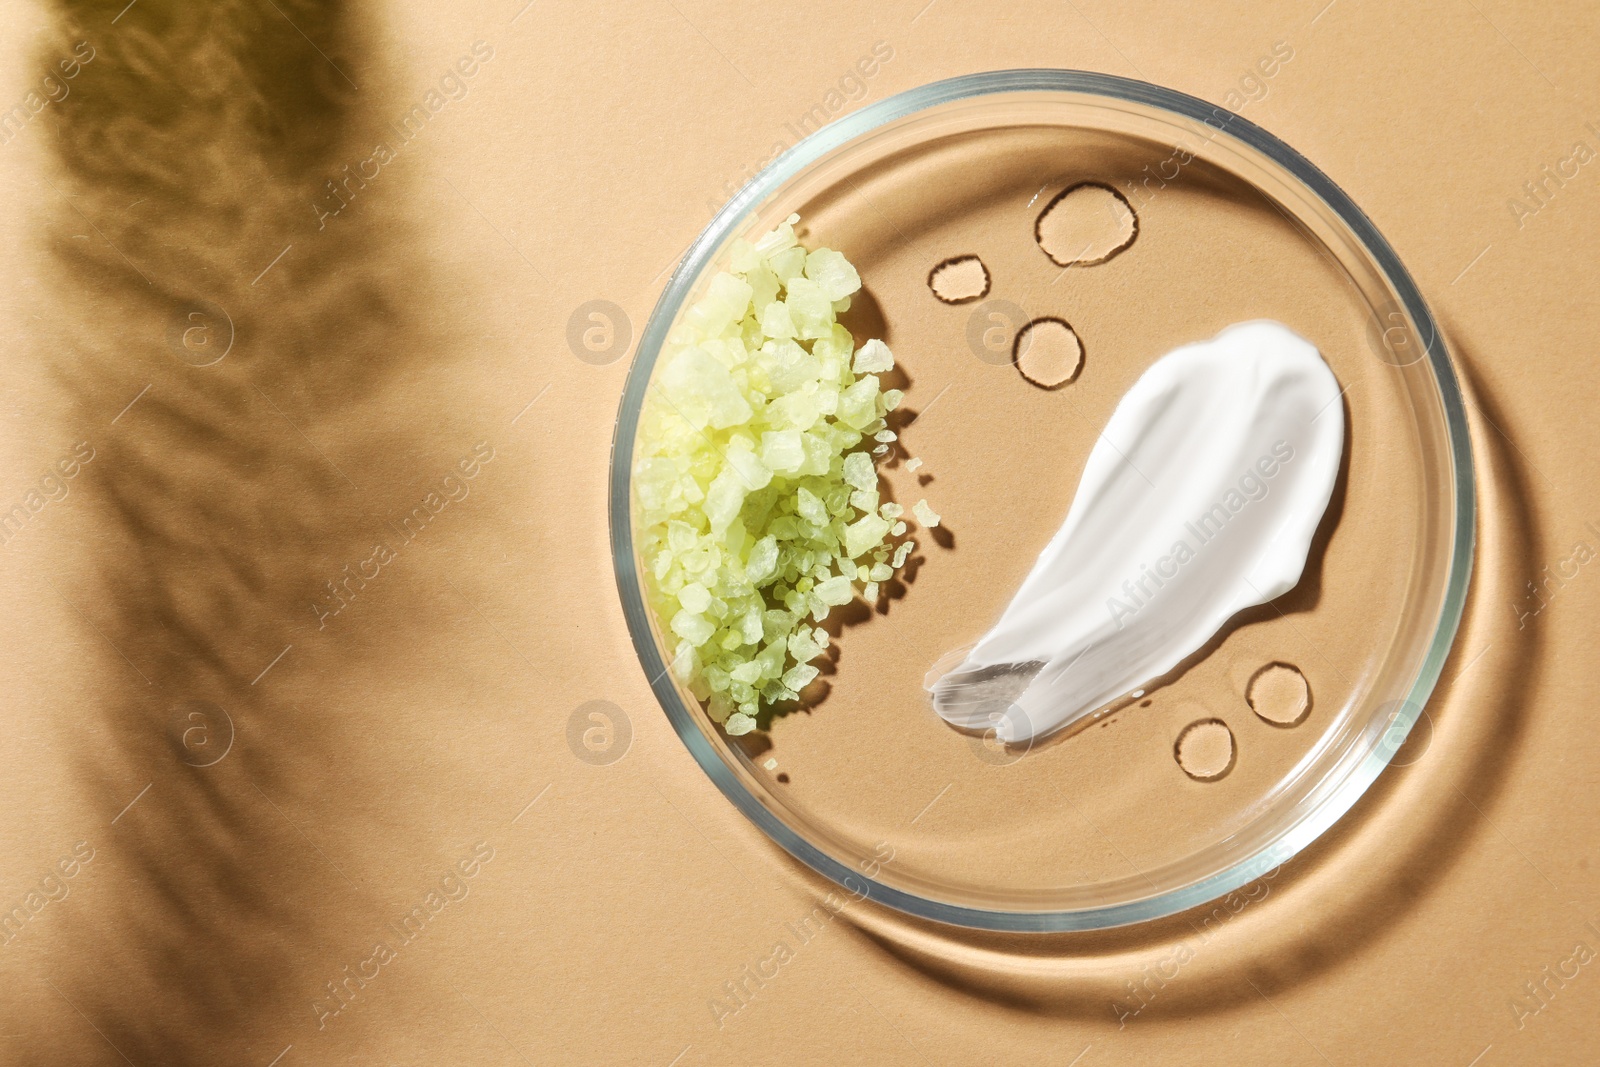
{"x": 1086, "y": 224}
{"x": 959, "y": 279}
{"x": 1048, "y": 353}
{"x": 1279, "y": 694}
{"x": 1205, "y": 750}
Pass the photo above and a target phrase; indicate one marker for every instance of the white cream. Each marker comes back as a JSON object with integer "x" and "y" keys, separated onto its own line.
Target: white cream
{"x": 1200, "y": 499}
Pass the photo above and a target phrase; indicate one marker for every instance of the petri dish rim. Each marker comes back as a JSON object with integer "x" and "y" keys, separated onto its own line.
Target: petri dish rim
{"x": 1331, "y": 799}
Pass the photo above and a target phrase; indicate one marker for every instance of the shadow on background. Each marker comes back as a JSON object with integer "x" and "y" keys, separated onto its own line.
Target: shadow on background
{"x": 1346, "y": 891}
{"x": 247, "y": 334}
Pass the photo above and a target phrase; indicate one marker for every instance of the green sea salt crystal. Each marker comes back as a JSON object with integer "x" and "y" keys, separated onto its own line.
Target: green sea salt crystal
{"x": 757, "y": 495}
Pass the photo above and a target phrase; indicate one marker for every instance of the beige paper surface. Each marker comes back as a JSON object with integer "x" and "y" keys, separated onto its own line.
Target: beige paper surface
{"x": 376, "y": 842}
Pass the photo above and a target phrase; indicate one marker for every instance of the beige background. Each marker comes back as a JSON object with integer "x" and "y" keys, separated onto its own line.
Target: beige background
{"x": 432, "y": 714}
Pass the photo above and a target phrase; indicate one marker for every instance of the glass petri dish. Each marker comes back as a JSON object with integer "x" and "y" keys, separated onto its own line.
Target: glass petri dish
{"x": 1101, "y": 827}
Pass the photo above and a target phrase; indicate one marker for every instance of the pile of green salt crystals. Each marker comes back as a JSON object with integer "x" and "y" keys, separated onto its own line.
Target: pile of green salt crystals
{"x": 755, "y": 477}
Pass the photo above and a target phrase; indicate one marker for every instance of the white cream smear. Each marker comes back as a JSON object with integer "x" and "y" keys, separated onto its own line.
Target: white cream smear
{"x": 1200, "y": 499}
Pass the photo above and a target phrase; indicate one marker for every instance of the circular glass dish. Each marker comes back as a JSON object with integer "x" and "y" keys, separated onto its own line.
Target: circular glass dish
{"x": 1102, "y": 827}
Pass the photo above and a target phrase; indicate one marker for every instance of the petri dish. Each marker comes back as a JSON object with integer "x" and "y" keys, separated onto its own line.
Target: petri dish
{"x": 1098, "y": 827}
